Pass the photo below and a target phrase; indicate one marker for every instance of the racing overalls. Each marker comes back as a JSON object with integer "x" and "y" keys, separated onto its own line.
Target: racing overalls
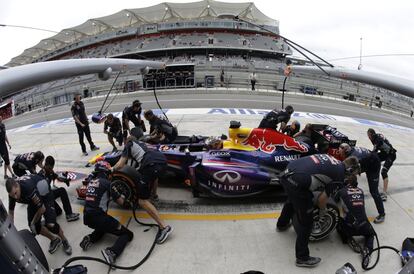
{"x": 371, "y": 165}
{"x": 24, "y": 162}
{"x": 96, "y": 205}
{"x": 355, "y": 221}
{"x": 35, "y": 192}
{"x": 319, "y": 172}
{"x": 151, "y": 164}
{"x": 385, "y": 151}
{"x": 132, "y": 116}
{"x": 273, "y": 118}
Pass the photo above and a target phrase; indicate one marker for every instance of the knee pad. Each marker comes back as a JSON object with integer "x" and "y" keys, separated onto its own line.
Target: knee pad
{"x": 384, "y": 173}
{"x": 54, "y": 228}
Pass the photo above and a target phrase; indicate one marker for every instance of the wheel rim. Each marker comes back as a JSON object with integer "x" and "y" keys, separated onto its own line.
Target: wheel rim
{"x": 123, "y": 188}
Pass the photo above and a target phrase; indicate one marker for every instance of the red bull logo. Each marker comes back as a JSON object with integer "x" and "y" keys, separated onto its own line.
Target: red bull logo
{"x": 268, "y": 140}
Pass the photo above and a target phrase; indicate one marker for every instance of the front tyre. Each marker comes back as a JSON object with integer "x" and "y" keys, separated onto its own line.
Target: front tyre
{"x": 322, "y": 227}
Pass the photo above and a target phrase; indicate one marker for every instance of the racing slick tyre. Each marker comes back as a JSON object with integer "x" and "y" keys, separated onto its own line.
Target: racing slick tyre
{"x": 322, "y": 227}
{"x": 124, "y": 186}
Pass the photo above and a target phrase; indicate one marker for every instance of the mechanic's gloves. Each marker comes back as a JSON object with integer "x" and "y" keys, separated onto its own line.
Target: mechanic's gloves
{"x": 322, "y": 212}
{"x": 33, "y": 228}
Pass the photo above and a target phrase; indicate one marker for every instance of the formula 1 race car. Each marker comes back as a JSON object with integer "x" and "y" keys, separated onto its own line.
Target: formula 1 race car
{"x": 246, "y": 163}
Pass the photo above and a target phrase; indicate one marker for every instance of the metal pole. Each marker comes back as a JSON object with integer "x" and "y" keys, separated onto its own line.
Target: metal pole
{"x": 283, "y": 92}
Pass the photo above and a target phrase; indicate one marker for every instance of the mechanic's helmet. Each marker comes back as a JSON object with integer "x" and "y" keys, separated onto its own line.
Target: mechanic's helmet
{"x": 136, "y": 104}
{"x": 371, "y": 132}
{"x": 137, "y": 132}
{"x": 38, "y": 156}
{"x": 351, "y": 180}
{"x": 352, "y": 165}
{"x": 295, "y": 126}
{"x": 289, "y": 109}
{"x": 214, "y": 143}
{"x": 103, "y": 167}
{"x": 346, "y": 148}
{"x": 98, "y": 118}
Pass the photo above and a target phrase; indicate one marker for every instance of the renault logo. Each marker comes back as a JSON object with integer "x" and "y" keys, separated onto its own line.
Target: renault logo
{"x": 227, "y": 175}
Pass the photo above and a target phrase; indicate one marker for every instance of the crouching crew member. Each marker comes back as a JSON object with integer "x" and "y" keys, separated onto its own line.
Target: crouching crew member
{"x": 273, "y": 118}
{"x": 58, "y": 192}
{"x": 112, "y": 127}
{"x": 302, "y": 177}
{"x": 96, "y": 205}
{"x": 28, "y": 162}
{"x": 150, "y": 164}
{"x": 133, "y": 114}
{"x": 292, "y": 129}
{"x": 355, "y": 221}
{"x": 386, "y": 152}
{"x": 34, "y": 191}
{"x": 161, "y": 131}
{"x": 371, "y": 165}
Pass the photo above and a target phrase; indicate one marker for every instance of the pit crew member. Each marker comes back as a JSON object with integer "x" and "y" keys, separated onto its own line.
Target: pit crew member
{"x": 34, "y": 191}
{"x": 275, "y": 117}
{"x": 28, "y": 162}
{"x": 302, "y": 177}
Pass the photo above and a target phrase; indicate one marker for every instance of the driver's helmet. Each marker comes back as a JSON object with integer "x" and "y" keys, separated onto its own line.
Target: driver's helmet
{"x": 103, "y": 167}
{"x": 214, "y": 143}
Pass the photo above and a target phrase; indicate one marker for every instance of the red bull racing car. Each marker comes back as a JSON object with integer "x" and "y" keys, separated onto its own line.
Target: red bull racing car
{"x": 245, "y": 163}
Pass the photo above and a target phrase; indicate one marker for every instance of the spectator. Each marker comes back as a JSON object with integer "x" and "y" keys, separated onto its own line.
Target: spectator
{"x": 253, "y": 79}
{"x": 82, "y": 123}
{"x": 222, "y": 78}
{"x": 3, "y": 149}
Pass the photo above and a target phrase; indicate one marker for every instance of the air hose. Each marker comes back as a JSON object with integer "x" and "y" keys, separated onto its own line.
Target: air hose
{"x": 365, "y": 265}
{"x": 132, "y": 267}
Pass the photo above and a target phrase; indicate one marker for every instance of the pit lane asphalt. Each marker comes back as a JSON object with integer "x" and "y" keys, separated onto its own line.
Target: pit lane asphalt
{"x": 219, "y": 99}
{"x": 223, "y": 236}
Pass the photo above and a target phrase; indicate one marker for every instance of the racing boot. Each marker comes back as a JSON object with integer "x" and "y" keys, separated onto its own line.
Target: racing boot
{"x": 109, "y": 255}
{"x": 379, "y": 219}
{"x": 54, "y": 244}
{"x": 66, "y": 247}
{"x": 72, "y": 217}
{"x": 85, "y": 243}
{"x": 163, "y": 234}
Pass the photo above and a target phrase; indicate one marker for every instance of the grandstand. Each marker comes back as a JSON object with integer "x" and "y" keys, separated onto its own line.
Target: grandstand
{"x": 197, "y": 41}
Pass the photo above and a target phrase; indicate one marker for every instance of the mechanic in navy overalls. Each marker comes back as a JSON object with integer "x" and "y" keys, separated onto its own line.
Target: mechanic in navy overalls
{"x": 386, "y": 152}
{"x": 28, "y": 162}
{"x": 58, "y": 192}
{"x": 274, "y": 117}
{"x": 371, "y": 165}
{"x": 34, "y": 191}
{"x": 113, "y": 128}
{"x": 161, "y": 131}
{"x": 151, "y": 164}
{"x": 133, "y": 114}
{"x": 355, "y": 221}
{"x": 316, "y": 173}
{"x": 82, "y": 123}
{"x": 95, "y": 215}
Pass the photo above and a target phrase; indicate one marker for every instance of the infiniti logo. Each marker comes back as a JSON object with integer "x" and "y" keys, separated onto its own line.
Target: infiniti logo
{"x": 227, "y": 175}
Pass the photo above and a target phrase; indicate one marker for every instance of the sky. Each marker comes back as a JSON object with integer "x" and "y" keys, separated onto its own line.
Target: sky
{"x": 331, "y": 29}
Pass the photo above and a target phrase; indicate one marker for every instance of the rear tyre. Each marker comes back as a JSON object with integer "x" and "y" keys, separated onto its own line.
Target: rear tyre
{"x": 126, "y": 187}
{"x": 326, "y": 224}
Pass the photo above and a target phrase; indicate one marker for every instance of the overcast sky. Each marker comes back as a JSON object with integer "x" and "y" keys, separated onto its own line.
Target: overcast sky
{"x": 331, "y": 29}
